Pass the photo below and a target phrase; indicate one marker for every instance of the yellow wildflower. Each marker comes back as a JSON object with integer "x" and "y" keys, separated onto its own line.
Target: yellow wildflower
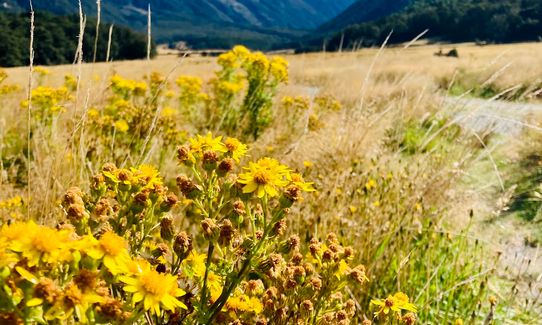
{"x": 243, "y": 303}
{"x": 196, "y": 263}
{"x": 240, "y": 51}
{"x": 395, "y": 303}
{"x": 201, "y": 144}
{"x": 371, "y": 183}
{"x": 112, "y": 249}
{"x": 168, "y": 112}
{"x": 279, "y": 69}
{"x": 297, "y": 180}
{"x": 41, "y": 244}
{"x": 236, "y": 148}
{"x": 264, "y": 177}
{"x": 147, "y": 175}
{"x": 121, "y": 126}
{"x": 155, "y": 290}
{"x": 41, "y": 71}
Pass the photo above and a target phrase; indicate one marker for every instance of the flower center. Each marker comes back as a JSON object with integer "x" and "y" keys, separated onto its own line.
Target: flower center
{"x": 261, "y": 177}
{"x": 153, "y": 283}
{"x": 44, "y": 242}
{"x": 389, "y": 302}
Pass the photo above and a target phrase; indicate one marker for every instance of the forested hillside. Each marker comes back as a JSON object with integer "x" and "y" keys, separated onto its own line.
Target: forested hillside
{"x": 445, "y": 20}
{"x": 56, "y": 38}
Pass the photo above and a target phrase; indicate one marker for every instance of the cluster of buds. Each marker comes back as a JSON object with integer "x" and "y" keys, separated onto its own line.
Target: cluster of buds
{"x": 74, "y": 207}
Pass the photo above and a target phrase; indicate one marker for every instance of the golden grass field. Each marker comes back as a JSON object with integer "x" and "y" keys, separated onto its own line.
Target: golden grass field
{"x": 427, "y": 203}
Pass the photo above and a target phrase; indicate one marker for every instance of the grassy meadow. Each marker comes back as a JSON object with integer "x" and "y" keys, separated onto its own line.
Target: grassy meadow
{"x": 379, "y": 186}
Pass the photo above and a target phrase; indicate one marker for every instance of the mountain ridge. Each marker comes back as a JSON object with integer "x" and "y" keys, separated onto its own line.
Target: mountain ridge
{"x": 223, "y": 22}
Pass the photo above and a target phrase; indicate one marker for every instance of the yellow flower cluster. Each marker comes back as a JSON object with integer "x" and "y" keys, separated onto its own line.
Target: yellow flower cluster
{"x": 14, "y": 202}
{"x": 48, "y": 102}
{"x": 255, "y": 63}
{"x": 55, "y": 275}
{"x": 296, "y": 103}
{"x": 127, "y": 87}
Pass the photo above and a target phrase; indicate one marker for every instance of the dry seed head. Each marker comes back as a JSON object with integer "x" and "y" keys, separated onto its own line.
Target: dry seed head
{"x": 297, "y": 258}
{"x": 290, "y": 284}
{"x": 341, "y": 315}
{"x": 336, "y": 296}
{"x": 409, "y": 318}
{"x": 72, "y": 295}
{"x": 358, "y": 274}
{"x": 102, "y": 210}
{"x": 111, "y": 309}
{"x": 210, "y": 157}
{"x": 239, "y": 207}
{"x": 74, "y": 195}
{"x": 332, "y": 238}
{"x": 271, "y": 293}
{"x": 124, "y": 175}
{"x": 307, "y": 305}
{"x": 142, "y": 197}
{"x": 316, "y": 283}
{"x": 209, "y": 228}
{"x": 350, "y": 307}
{"x": 183, "y": 153}
{"x": 226, "y": 166}
{"x": 186, "y": 185}
{"x": 348, "y": 252}
{"x": 109, "y": 167}
{"x": 293, "y": 242}
{"x": 182, "y": 245}
{"x": 86, "y": 280}
{"x": 254, "y": 287}
{"x": 160, "y": 250}
{"x": 76, "y": 213}
{"x": 167, "y": 229}
{"x": 292, "y": 193}
{"x": 236, "y": 322}
{"x": 279, "y": 227}
{"x": 47, "y": 290}
{"x": 328, "y": 255}
{"x": 226, "y": 233}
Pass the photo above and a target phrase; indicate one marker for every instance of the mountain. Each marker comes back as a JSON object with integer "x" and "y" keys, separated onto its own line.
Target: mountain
{"x": 206, "y": 23}
{"x": 368, "y": 23}
{"x": 364, "y": 10}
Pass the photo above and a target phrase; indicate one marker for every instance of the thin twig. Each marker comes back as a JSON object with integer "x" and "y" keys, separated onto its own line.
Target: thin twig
{"x": 29, "y": 98}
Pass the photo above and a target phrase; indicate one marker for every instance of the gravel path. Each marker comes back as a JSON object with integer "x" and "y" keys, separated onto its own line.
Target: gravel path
{"x": 502, "y": 117}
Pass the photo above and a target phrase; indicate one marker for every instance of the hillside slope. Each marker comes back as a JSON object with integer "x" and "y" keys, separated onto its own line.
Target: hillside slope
{"x": 363, "y": 11}
{"x": 445, "y": 20}
{"x": 217, "y": 23}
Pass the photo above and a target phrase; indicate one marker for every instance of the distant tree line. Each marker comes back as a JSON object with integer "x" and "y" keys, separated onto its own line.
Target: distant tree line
{"x": 56, "y": 39}
{"x": 492, "y": 21}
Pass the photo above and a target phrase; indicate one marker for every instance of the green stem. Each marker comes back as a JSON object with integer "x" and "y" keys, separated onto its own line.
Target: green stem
{"x": 203, "y": 301}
